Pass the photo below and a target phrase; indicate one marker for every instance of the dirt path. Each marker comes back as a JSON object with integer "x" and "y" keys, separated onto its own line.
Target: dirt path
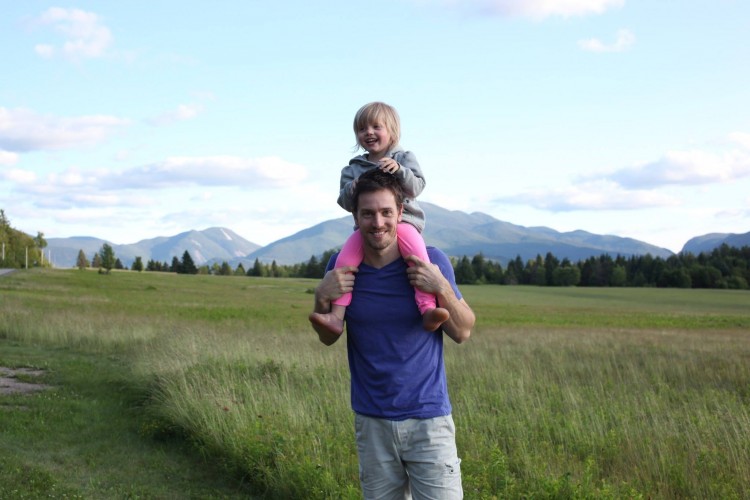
{"x": 9, "y": 383}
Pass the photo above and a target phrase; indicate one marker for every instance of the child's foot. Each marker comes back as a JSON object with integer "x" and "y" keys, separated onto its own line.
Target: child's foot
{"x": 433, "y": 318}
{"x": 328, "y": 321}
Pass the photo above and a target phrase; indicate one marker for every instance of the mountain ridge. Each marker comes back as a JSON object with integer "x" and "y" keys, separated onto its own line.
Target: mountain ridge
{"x": 457, "y": 233}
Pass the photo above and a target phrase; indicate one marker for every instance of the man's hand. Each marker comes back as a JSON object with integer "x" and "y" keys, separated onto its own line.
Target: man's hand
{"x": 426, "y": 276}
{"x": 334, "y": 284}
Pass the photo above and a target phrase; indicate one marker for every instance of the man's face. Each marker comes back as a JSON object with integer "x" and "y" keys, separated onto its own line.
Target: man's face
{"x": 377, "y": 217}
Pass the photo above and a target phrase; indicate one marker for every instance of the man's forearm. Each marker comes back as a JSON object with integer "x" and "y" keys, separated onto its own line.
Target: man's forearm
{"x": 333, "y": 285}
{"x": 462, "y": 319}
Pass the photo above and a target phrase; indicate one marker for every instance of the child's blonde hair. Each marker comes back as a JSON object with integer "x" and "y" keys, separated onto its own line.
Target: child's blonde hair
{"x": 378, "y": 112}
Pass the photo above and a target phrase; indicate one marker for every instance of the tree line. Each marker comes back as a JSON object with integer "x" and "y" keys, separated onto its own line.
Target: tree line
{"x": 723, "y": 267}
{"x": 18, "y": 249}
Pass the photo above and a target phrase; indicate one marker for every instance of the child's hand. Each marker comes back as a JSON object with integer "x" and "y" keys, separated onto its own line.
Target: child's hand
{"x": 389, "y": 165}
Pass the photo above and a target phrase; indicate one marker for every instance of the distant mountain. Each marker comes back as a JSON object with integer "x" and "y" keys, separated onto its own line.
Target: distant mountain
{"x": 458, "y": 234}
{"x": 204, "y": 246}
{"x": 708, "y": 242}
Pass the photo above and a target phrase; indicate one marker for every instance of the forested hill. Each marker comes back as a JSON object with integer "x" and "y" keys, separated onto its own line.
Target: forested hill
{"x": 455, "y": 232}
{"x": 18, "y": 249}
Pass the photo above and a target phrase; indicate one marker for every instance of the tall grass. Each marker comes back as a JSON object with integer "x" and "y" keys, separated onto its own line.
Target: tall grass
{"x": 561, "y": 393}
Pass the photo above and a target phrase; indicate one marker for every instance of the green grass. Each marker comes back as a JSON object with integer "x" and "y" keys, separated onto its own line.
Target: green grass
{"x": 561, "y": 392}
{"x": 89, "y": 437}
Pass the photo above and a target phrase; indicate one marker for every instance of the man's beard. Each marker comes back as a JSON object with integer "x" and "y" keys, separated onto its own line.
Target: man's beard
{"x": 380, "y": 243}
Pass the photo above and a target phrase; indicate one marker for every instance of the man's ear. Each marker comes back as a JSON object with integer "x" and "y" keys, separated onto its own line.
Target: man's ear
{"x": 400, "y": 212}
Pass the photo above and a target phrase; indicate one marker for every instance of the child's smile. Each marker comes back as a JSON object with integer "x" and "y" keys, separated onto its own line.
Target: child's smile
{"x": 376, "y": 139}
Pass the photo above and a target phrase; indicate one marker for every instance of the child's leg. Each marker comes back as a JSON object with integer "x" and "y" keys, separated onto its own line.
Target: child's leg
{"x": 351, "y": 255}
{"x": 410, "y": 242}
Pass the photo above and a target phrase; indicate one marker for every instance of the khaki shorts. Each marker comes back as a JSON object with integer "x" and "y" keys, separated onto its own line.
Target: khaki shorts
{"x": 409, "y": 458}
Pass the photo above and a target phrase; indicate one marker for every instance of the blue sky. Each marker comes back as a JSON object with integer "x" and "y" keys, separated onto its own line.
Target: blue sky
{"x": 130, "y": 120}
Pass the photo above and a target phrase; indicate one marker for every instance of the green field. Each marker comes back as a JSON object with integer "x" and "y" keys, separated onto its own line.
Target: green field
{"x": 184, "y": 386}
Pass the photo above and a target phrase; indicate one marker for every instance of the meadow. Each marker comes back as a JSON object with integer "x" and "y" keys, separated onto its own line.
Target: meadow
{"x": 221, "y": 389}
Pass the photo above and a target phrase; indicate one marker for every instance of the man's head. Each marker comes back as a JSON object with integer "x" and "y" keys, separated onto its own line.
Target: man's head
{"x": 375, "y": 180}
{"x": 378, "y": 204}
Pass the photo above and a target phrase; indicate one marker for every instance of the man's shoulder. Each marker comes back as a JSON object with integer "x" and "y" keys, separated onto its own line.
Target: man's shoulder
{"x": 436, "y": 254}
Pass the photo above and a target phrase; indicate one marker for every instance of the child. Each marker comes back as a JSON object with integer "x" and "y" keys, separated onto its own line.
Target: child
{"x": 378, "y": 130}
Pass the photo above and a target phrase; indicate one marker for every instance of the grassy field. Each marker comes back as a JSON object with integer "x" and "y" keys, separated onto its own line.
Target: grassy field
{"x": 173, "y": 386}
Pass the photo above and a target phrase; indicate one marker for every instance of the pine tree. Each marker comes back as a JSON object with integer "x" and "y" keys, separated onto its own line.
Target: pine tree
{"x": 82, "y": 262}
{"x": 188, "y": 266}
{"x": 225, "y": 270}
{"x": 137, "y": 264}
{"x": 107, "y": 256}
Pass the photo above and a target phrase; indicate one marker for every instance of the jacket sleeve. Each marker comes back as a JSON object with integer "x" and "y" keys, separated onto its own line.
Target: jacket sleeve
{"x": 345, "y": 190}
{"x": 410, "y": 175}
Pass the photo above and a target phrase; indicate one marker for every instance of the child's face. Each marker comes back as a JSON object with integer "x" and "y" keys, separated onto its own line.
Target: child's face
{"x": 375, "y": 138}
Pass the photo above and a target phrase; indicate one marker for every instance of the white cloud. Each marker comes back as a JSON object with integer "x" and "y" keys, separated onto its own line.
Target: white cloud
{"x": 75, "y": 186}
{"x": 740, "y": 138}
{"x": 685, "y": 168}
{"x": 7, "y": 158}
{"x": 19, "y": 176}
{"x": 22, "y": 130}
{"x": 84, "y": 34}
{"x": 595, "y": 195}
{"x": 183, "y": 112}
{"x": 246, "y": 173}
{"x": 534, "y": 9}
{"x": 625, "y": 39}
{"x": 637, "y": 187}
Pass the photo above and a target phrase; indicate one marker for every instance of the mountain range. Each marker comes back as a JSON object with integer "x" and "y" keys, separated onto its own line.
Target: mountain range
{"x": 456, "y": 233}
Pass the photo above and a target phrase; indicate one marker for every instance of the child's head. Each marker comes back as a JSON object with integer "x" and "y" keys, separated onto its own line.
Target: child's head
{"x": 378, "y": 113}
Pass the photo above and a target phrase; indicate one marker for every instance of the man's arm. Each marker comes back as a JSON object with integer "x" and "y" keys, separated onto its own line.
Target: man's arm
{"x": 428, "y": 278}
{"x": 334, "y": 284}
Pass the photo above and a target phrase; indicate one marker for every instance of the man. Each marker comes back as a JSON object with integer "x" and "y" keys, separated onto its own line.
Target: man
{"x": 404, "y": 429}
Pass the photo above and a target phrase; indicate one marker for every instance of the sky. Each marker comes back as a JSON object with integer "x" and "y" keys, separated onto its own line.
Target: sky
{"x": 132, "y": 120}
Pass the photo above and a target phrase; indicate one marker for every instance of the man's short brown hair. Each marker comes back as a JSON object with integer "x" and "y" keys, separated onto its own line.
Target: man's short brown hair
{"x": 376, "y": 180}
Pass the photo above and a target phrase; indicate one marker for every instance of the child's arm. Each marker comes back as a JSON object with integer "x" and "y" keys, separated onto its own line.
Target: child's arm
{"x": 410, "y": 175}
{"x": 346, "y": 188}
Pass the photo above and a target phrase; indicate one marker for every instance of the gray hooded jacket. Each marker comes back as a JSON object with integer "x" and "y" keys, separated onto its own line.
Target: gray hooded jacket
{"x": 409, "y": 175}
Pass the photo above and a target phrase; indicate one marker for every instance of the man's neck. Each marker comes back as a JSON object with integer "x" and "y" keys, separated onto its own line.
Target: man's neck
{"x": 381, "y": 258}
